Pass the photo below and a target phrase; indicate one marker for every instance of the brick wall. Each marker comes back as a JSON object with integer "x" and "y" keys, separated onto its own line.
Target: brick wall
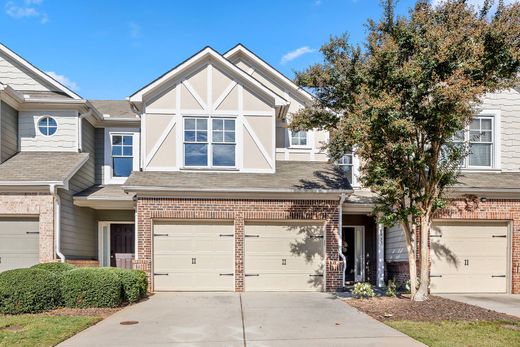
{"x": 33, "y": 205}
{"x": 471, "y": 208}
{"x": 239, "y": 211}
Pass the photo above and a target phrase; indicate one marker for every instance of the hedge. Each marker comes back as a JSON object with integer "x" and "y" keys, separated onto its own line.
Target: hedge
{"x": 57, "y": 268}
{"x": 91, "y": 287}
{"x": 29, "y": 291}
{"x": 134, "y": 283}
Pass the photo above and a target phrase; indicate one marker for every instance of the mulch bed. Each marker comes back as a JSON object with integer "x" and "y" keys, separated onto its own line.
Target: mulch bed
{"x": 90, "y": 312}
{"x": 434, "y": 309}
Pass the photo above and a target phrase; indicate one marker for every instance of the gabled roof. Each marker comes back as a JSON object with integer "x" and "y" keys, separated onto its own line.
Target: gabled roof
{"x": 240, "y": 49}
{"x": 118, "y": 109}
{"x": 37, "y": 72}
{"x": 205, "y": 53}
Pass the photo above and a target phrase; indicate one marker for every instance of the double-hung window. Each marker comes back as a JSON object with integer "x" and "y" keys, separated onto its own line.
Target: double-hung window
{"x": 346, "y": 164}
{"x": 122, "y": 155}
{"x": 479, "y": 139}
{"x": 298, "y": 139}
{"x": 209, "y": 142}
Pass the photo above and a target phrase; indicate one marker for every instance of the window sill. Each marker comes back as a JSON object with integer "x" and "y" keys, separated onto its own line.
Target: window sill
{"x": 482, "y": 169}
{"x": 188, "y": 168}
{"x": 302, "y": 148}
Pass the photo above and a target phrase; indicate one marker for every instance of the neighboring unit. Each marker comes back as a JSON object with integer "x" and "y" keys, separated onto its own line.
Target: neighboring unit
{"x": 197, "y": 180}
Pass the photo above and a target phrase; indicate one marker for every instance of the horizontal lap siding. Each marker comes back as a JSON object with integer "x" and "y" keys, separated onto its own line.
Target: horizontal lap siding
{"x": 65, "y": 139}
{"x": 9, "y": 132}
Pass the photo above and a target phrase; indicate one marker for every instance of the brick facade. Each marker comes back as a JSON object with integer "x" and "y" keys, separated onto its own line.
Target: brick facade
{"x": 33, "y": 205}
{"x": 471, "y": 208}
{"x": 239, "y": 211}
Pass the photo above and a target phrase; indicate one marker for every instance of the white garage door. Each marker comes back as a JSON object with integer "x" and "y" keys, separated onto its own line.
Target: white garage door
{"x": 19, "y": 242}
{"x": 469, "y": 257}
{"x": 193, "y": 256}
{"x": 284, "y": 257}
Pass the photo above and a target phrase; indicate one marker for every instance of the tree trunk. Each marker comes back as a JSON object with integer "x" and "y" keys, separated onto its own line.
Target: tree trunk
{"x": 422, "y": 292}
{"x": 412, "y": 263}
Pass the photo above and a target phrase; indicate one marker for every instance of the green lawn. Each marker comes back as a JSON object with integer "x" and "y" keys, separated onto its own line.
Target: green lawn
{"x": 40, "y": 330}
{"x": 461, "y": 333}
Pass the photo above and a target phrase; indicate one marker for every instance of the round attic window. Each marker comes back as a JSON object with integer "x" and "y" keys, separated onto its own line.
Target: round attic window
{"x": 47, "y": 126}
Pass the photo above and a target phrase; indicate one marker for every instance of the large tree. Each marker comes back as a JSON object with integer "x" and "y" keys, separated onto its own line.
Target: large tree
{"x": 400, "y": 98}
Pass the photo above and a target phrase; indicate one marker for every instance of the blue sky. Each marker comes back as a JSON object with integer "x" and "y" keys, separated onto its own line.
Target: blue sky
{"x": 107, "y": 49}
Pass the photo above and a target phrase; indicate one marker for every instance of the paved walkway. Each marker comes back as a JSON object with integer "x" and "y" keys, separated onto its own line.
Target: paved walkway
{"x": 505, "y": 303}
{"x": 248, "y": 319}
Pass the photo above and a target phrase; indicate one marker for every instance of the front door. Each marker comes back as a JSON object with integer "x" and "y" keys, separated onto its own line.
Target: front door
{"x": 354, "y": 251}
{"x": 122, "y": 240}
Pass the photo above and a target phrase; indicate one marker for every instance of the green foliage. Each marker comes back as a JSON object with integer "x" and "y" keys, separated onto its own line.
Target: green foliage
{"x": 134, "y": 282}
{"x": 363, "y": 290}
{"x": 391, "y": 288}
{"x": 28, "y": 291}
{"x": 57, "y": 268}
{"x": 91, "y": 287}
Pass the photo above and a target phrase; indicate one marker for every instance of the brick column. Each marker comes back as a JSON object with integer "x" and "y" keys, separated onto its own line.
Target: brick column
{"x": 239, "y": 251}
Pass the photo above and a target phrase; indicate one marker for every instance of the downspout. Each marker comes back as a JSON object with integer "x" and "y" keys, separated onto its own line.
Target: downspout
{"x": 342, "y": 198}
{"x": 57, "y": 222}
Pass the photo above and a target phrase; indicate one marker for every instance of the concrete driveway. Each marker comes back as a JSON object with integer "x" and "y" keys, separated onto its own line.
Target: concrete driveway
{"x": 248, "y": 319}
{"x": 505, "y": 303}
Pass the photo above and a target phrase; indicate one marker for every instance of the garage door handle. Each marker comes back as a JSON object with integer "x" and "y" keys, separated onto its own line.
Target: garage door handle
{"x": 435, "y": 275}
{"x": 493, "y": 276}
{"x": 160, "y": 234}
{"x": 251, "y": 235}
{"x": 317, "y": 237}
{"x": 502, "y": 236}
{"x": 435, "y": 235}
{"x": 251, "y": 275}
{"x": 160, "y": 274}
{"x": 32, "y": 232}
{"x": 226, "y": 235}
{"x": 316, "y": 275}
{"x": 226, "y": 274}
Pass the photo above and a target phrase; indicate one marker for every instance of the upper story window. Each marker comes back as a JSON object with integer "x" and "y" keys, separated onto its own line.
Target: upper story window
{"x": 298, "y": 139}
{"x": 346, "y": 163}
{"x": 209, "y": 142}
{"x": 122, "y": 155}
{"x": 47, "y": 126}
{"x": 480, "y": 139}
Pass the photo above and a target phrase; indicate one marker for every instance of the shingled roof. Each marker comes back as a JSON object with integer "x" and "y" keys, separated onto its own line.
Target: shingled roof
{"x": 489, "y": 181}
{"x": 290, "y": 176}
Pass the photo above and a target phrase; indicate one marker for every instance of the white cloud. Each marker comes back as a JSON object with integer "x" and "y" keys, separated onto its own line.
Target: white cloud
{"x": 63, "y": 80}
{"x": 296, "y": 54}
{"x": 317, "y": 2}
{"x": 26, "y": 9}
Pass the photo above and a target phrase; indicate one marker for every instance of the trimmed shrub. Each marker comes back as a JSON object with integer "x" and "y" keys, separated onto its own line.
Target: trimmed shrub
{"x": 57, "y": 268}
{"x": 363, "y": 290}
{"x": 134, "y": 283}
{"x": 91, "y": 287}
{"x": 29, "y": 291}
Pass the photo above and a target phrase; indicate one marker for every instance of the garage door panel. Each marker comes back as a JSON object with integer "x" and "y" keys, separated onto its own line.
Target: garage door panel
{"x": 285, "y": 282}
{"x": 19, "y": 243}
{"x": 469, "y": 257}
{"x": 288, "y": 263}
{"x": 193, "y": 256}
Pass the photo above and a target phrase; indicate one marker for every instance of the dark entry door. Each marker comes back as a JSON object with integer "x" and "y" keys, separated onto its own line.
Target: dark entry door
{"x": 122, "y": 240}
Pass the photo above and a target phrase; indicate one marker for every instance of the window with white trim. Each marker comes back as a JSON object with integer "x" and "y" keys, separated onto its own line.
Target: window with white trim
{"x": 346, "y": 164}
{"x": 298, "y": 138}
{"x": 47, "y": 126}
{"x": 122, "y": 155}
{"x": 479, "y": 138}
{"x": 209, "y": 142}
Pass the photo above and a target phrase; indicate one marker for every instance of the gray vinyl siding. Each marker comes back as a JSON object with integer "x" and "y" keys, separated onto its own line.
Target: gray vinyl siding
{"x": 395, "y": 245}
{"x": 78, "y": 224}
{"x": 66, "y": 136}
{"x": 9, "y": 132}
{"x": 99, "y": 154}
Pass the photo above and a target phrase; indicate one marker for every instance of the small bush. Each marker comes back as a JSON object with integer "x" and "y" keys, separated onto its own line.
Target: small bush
{"x": 91, "y": 287}
{"x": 28, "y": 291}
{"x": 134, "y": 283}
{"x": 363, "y": 290}
{"x": 57, "y": 268}
{"x": 391, "y": 288}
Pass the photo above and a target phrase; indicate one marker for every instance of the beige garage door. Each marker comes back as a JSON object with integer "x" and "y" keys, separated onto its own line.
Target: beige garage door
{"x": 469, "y": 257}
{"x": 193, "y": 256}
{"x": 284, "y": 257}
{"x": 19, "y": 242}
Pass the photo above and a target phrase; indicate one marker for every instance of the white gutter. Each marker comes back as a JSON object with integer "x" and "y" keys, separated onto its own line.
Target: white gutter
{"x": 340, "y": 233}
{"x": 57, "y": 222}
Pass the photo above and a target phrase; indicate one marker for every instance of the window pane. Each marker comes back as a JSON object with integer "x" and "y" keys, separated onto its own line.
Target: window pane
{"x": 487, "y": 124}
{"x": 218, "y": 136}
{"x": 218, "y": 124}
{"x": 480, "y": 154}
{"x": 117, "y": 150}
{"x": 229, "y": 136}
{"x": 486, "y": 136}
{"x": 475, "y": 124}
{"x": 230, "y": 124}
{"x": 202, "y": 136}
{"x": 122, "y": 167}
{"x": 347, "y": 169}
{"x": 189, "y": 124}
{"x": 459, "y": 136}
{"x": 116, "y": 140}
{"x": 43, "y": 130}
{"x": 51, "y": 130}
{"x": 189, "y": 135}
{"x": 127, "y": 140}
{"x": 474, "y": 136}
{"x": 346, "y": 159}
{"x": 202, "y": 124}
{"x": 127, "y": 151}
{"x": 223, "y": 155}
{"x": 51, "y": 122}
{"x": 195, "y": 154}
